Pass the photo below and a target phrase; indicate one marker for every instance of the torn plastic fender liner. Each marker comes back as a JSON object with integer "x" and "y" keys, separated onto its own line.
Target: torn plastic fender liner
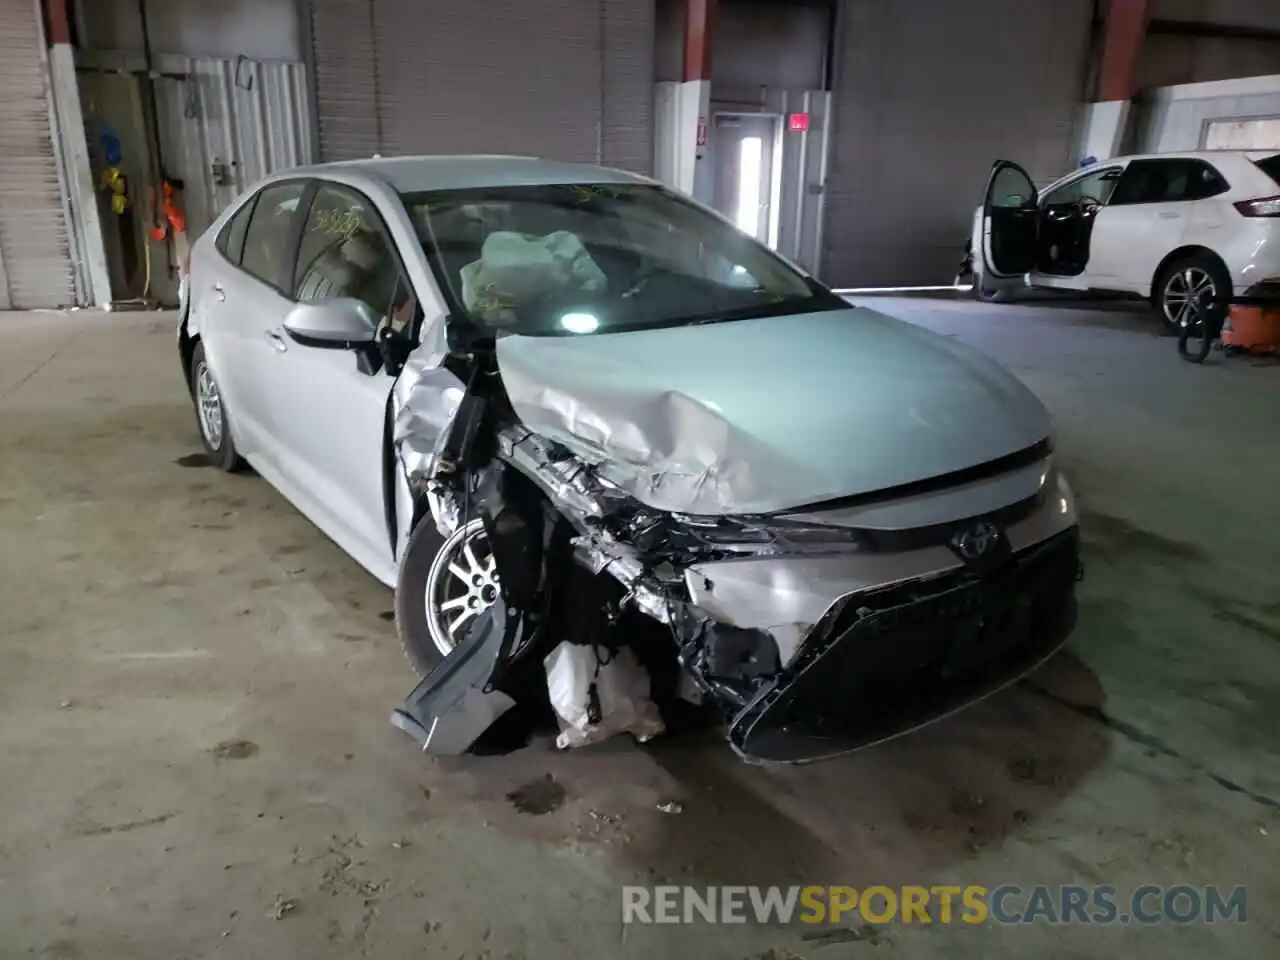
{"x": 456, "y": 702}
{"x": 889, "y": 662}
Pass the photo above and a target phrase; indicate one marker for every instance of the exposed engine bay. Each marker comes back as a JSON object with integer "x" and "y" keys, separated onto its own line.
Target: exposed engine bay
{"x": 609, "y": 605}
{"x": 822, "y": 572}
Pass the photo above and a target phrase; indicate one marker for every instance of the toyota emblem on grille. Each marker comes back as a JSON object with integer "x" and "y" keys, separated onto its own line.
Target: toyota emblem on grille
{"x": 976, "y": 541}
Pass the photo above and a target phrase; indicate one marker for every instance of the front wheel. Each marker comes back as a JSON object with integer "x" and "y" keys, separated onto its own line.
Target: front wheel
{"x": 446, "y": 585}
{"x": 999, "y": 295}
{"x": 986, "y": 294}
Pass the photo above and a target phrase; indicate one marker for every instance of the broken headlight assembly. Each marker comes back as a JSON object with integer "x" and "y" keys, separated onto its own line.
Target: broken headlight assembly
{"x": 753, "y": 535}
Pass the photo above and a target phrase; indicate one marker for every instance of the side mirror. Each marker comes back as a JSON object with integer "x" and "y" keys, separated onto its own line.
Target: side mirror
{"x": 341, "y": 323}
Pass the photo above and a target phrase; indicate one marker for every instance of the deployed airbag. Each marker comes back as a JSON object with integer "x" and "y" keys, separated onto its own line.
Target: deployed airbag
{"x": 516, "y": 270}
{"x": 599, "y": 693}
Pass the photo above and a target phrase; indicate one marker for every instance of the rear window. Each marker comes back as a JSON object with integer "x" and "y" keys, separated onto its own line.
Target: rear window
{"x": 1174, "y": 180}
{"x": 1271, "y": 167}
{"x": 230, "y": 241}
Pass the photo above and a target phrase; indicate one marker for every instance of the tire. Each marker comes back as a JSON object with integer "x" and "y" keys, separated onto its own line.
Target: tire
{"x": 1190, "y": 273}
{"x": 426, "y": 569}
{"x": 1195, "y": 340}
{"x": 211, "y": 415}
{"x": 1002, "y": 295}
{"x": 998, "y": 295}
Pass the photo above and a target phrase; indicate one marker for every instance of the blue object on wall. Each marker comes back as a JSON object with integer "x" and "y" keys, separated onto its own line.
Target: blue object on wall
{"x": 110, "y": 147}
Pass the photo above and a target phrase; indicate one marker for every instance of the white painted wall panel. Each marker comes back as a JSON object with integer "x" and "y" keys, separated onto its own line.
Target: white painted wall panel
{"x": 1176, "y": 118}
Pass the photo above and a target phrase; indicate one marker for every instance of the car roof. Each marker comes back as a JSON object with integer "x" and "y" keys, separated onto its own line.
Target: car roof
{"x": 420, "y": 174}
{"x": 1189, "y": 155}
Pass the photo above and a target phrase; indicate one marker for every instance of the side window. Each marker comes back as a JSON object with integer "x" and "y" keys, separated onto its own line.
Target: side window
{"x": 230, "y": 242}
{"x": 1097, "y": 187}
{"x": 1168, "y": 181}
{"x": 266, "y": 244}
{"x": 345, "y": 252}
{"x": 1207, "y": 181}
{"x": 1011, "y": 190}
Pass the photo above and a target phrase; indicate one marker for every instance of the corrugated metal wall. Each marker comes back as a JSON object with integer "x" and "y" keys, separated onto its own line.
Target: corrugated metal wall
{"x": 345, "y": 68}
{"x": 569, "y": 79}
{"x": 927, "y": 94}
{"x": 36, "y": 268}
{"x": 224, "y": 29}
{"x": 764, "y": 43}
{"x": 242, "y": 118}
{"x": 223, "y": 125}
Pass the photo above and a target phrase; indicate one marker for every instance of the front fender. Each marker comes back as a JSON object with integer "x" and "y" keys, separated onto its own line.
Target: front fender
{"x": 424, "y": 405}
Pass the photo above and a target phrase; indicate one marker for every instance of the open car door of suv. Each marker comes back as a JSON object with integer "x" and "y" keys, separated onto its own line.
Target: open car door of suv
{"x": 1010, "y": 223}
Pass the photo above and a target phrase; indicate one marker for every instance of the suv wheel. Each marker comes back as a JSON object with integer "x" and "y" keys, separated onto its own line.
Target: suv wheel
{"x": 1197, "y": 283}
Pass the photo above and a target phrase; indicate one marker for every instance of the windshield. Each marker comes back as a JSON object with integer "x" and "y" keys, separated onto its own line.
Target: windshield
{"x": 571, "y": 259}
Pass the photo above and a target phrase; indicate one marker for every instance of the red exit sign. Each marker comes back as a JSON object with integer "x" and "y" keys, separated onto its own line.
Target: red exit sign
{"x": 798, "y": 122}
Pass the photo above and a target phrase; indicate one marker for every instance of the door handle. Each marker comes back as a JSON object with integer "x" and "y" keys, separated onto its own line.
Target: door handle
{"x": 1168, "y": 215}
{"x": 219, "y": 292}
{"x": 278, "y": 342}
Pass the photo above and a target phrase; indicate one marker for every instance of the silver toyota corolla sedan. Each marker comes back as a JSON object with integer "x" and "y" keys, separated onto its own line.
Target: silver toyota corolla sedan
{"x": 563, "y": 410}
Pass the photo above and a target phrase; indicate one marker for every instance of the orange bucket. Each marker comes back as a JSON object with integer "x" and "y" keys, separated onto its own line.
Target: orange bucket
{"x": 1253, "y": 323}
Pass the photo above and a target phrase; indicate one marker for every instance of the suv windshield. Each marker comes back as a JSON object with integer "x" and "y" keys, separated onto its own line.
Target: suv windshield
{"x": 568, "y": 259}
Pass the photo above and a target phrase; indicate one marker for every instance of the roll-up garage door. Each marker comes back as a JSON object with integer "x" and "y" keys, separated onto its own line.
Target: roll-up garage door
{"x": 35, "y": 252}
{"x": 927, "y": 94}
{"x": 564, "y": 79}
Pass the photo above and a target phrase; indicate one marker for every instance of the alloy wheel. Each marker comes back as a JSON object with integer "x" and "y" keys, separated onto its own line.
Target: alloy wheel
{"x": 462, "y": 585}
{"x": 209, "y": 406}
{"x": 1186, "y": 293}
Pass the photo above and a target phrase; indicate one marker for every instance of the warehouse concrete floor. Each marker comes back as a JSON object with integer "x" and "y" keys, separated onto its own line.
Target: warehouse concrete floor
{"x": 195, "y": 759}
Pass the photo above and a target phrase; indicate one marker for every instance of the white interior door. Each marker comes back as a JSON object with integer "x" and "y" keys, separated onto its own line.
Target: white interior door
{"x": 743, "y": 147}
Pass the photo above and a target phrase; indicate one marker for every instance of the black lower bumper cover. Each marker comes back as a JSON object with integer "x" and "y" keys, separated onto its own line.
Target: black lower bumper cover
{"x": 897, "y": 659}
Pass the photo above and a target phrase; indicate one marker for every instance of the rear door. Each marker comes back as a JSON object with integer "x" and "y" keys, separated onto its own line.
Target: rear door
{"x": 1147, "y": 217}
{"x": 247, "y": 297}
{"x": 1010, "y": 219}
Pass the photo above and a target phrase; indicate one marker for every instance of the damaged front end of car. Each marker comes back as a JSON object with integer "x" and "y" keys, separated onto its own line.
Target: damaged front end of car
{"x": 809, "y": 638}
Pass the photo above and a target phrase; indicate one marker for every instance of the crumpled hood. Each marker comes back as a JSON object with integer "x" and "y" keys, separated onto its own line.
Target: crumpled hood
{"x": 758, "y": 416}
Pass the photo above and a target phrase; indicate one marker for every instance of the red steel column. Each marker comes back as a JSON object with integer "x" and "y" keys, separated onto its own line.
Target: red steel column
{"x": 1125, "y": 29}
{"x": 699, "y": 23}
{"x": 57, "y": 15}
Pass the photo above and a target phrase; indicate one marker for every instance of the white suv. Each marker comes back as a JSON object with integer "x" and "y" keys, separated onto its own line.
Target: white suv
{"x": 1180, "y": 229}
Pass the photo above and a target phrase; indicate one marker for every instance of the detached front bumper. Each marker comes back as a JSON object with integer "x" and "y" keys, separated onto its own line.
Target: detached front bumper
{"x": 885, "y": 662}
